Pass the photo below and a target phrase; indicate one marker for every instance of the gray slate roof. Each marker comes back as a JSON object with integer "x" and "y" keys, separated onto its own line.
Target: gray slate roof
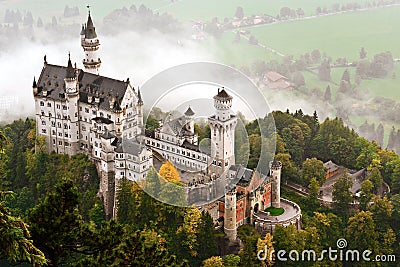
{"x": 90, "y": 29}
{"x": 178, "y": 127}
{"x": 52, "y": 80}
{"x": 130, "y": 146}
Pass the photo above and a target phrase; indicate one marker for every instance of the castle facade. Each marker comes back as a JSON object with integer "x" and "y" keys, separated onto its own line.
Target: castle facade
{"x": 79, "y": 111}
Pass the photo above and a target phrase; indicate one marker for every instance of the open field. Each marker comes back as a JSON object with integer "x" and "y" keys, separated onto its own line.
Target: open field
{"x": 338, "y": 35}
{"x": 42, "y": 8}
{"x": 208, "y": 9}
{"x": 238, "y": 54}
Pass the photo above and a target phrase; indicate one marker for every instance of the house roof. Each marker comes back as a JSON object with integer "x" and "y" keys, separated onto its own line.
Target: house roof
{"x": 274, "y": 76}
{"x": 52, "y": 80}
{"x": 280, "y": 84}
{"x": 329, "y": 165}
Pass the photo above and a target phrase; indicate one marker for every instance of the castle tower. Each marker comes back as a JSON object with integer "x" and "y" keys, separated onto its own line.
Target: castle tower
{"x": 140, "y": 113}
{"x": 72, "y": 98}
{"x": 275, "y": 169}
{"x": 222, "y": 126}
{"x": 118, "y": 116}
{"x": 189, "y": 126}
{"x": 107, "y": 174}
{"x": 90, "y": 44}
{"x": 230, "y": 228}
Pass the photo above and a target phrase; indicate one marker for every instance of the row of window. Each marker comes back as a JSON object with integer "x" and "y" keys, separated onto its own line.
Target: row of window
{"x": 172, "y": 149}
{"x": 58, "y": 106}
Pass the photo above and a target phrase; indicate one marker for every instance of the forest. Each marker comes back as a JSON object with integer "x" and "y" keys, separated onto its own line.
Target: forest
{"x": 50, "y": 214}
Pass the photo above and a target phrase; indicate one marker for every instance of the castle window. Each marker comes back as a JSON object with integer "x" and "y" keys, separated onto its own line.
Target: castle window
{"x": 54, "y": 141}
{"x": 94, "y": 112}
{"x": 41, "y": 103}
{"x": 66, "y": 135}
{"x": 65, "y": 126}
{"x": 80, "y": 108}
{"x": 64, "y": 107}
{"x": 109, "y": 116}
{"x": 101, "y": 114}
{"x": 49, "y": 114}
{"x": 43, "y": 123}
{"x": 122, "y": 173}
{"x": 86, "y": 110}
{"x": 58, "y": 106}
{"x": 49, "y": 105}
{"x": 53, "y": 124}
{"x": 59, "y": 125}
{"x": 60, "y": 134}
{"x": 53, "y": 132}
{"x": 44, "y": 131}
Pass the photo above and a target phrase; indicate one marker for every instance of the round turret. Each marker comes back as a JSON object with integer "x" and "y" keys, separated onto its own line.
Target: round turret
{"x": 230, "y": 228}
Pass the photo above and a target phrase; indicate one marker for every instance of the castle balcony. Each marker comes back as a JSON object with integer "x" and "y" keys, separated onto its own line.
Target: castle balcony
{"x": 90, "y": 44}
{"x": 92, "y": 64}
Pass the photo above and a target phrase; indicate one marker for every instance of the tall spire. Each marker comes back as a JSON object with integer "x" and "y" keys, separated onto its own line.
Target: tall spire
{"x": 70, "y": 69}
{"x": 140, "y": 101}
{"x": 90, "y": 29}
{"x": 34, "y": 85}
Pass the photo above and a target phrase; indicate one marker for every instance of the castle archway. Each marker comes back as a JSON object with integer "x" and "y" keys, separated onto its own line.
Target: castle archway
{"x": 256, "y": 207}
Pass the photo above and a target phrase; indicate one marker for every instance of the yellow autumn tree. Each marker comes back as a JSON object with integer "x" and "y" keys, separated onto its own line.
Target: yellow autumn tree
{"x": 169, "y": 173}
{"x": 266, "y": 244}
{"x": 214, "y": 261}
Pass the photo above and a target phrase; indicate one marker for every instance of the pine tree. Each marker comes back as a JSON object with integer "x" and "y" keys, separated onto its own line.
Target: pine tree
{"x": 328, "y": 94}
{"x": 341, "y": 194}
{"x": 15, "y": 244}
{"x": 125, "y": 202}
{"x": 380, "y": 133}
{"x": 207, "y": 244}
{"x": 55, "y": 224}
{"x": 346, "y": 76}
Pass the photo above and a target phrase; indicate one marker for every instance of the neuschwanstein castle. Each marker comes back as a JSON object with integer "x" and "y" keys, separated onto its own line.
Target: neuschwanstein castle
{"x": 80, "y": 111}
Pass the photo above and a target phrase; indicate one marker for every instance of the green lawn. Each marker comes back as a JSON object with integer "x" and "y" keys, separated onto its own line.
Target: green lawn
{"x": 275, "y": 211}
{"x": 339, "y": 35}
{"x": 238, "y": 54}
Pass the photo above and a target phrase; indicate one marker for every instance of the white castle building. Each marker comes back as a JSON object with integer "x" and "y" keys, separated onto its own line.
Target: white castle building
{"x": 79, "y": 111}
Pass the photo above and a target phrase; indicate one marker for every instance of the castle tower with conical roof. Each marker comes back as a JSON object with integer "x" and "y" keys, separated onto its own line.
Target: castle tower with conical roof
{"x": 90, "y": 44}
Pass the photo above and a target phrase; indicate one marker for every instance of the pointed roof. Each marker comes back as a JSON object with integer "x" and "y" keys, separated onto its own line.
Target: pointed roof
{"x": 83, "y": 30}
{"x": 223, "y": 94}
{"x": 70, "y": 69}
{"x": 90, "y": 29}
{"x": 34, "y": 85}
{"x": 107, "y": 134}
{"x": 189, "y": 112}
{"x": 140, "y": 101}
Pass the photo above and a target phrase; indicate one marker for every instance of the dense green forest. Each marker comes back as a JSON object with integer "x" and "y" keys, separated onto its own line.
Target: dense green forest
{"x": 50, "y": 214}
